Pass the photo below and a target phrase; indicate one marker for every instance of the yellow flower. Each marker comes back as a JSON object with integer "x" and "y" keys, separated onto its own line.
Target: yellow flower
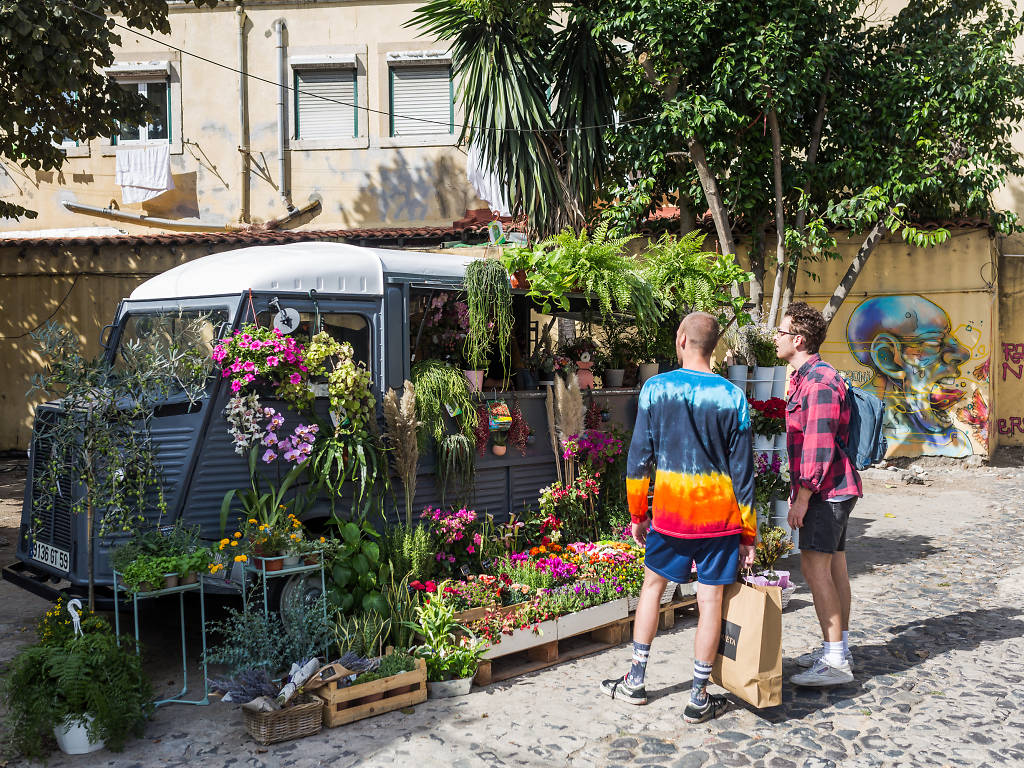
{"x": 295, "y": 537}
{"x": 234, "y": 543}
{"x": 224, "y": 541}
{"x": 238, "y": 534}
{"x": 222, "y": 545}
{"x": 241, "y": 559}
{"x": 253, "y": 520}
{"x": 323, "y": 540}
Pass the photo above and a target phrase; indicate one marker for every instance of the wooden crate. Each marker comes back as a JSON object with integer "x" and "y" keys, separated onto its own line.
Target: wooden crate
{"x": 355, "y": 702}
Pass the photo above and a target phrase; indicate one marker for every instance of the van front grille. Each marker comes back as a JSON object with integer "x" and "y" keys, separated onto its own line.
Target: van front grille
{"x": 51, "y": 491}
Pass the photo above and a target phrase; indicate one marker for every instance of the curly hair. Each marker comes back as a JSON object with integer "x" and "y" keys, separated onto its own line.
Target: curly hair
{"x": 809, "y": 323}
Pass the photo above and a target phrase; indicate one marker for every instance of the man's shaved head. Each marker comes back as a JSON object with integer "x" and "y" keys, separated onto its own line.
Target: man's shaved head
{"x": 701, "y": 330}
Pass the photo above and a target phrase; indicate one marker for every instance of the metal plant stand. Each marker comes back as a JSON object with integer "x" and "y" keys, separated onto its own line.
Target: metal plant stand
{"x": 196, "y": 586}
{"x": 264, "y": 576}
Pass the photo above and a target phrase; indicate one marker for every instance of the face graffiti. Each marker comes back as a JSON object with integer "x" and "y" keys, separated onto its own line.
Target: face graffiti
{"x": 908, "y": 341}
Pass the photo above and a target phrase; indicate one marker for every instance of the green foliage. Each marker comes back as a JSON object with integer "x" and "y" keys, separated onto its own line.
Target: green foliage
{"x": 54, "y": 55}
{"x": 363, "y": 634}
{"x": 686, "y": 278}
{"x": 552, "y": 174}
{"x": 410, "y": 550}
{"x": 522, "y": 574}
{"x": 591, "y": 263}
{"x": 254, "y": 640}
{"x": 71, "y": 676}
{"x": 489, "y": 297}
{"x": 449, "y": 655}
{"x": 358, "y": 459}
{"x": 349, "y": 384}
{"x": 147, "y": 572}
{"x": 392, "y": 664}
{"x": 438, "y": 387}
{"x": 772, "y": 543}
{"x": 354, "y": 568}
{"x": 455, "y": 464}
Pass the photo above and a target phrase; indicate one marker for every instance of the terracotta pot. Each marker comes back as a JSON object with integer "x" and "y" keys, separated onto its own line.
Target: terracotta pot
{"x": 190, "y": 578}
{"x": 519, "y": 280}
{"x": 170, "y": 580}
{"x": 585, "y": 376}
{"x": 311, "y": 559}
{"x": 271, "y": 563}
{"x": 499, "y": 450}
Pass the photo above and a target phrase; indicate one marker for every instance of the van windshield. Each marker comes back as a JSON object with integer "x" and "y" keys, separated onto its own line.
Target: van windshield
{"x": 176, "y": 344}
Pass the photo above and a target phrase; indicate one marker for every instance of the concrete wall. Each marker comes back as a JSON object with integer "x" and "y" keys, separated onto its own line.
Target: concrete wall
{"x": 1008, "y": 353}
{"x": 371, "y": 180}
{"x": 920, "y": 329}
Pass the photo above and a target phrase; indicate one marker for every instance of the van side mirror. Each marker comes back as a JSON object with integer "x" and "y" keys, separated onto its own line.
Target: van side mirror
{"x": 105, "y": 334}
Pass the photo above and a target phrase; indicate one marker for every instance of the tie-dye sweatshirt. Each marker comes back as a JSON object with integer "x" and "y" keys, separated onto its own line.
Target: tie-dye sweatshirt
{"x": 693, "y": 432}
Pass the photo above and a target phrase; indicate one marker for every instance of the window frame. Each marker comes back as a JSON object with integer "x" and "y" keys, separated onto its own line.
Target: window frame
{"x": 144, "y": 140}
{"x": 411, "y": 54}
{"x": 149, "y": 67}
{"x": 303, "y": 58}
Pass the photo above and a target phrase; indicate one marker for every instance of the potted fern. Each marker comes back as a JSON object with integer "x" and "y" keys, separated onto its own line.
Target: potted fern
{"x": 75, "y": 685}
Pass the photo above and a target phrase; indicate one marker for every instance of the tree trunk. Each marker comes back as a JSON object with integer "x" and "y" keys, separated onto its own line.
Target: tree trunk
{"x": 687, "y": 221}
{"x": 793, "y": 269}
{"x": 780, "y": 222}
{"x": 714, "y": 198}
{"x": 874, "y": 237}
{"x": 756, "y": 256}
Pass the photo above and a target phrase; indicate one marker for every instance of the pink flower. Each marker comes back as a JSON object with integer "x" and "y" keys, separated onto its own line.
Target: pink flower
{"x": 273, "y": 360}
{"x": 295, "y": 378}
{"x": 249, "y": 366}
{"x": 471, "y": 549}
{"x": 269, "y": 456}
{"x": 236, "y": 385}
{"x": 249, "y": 378}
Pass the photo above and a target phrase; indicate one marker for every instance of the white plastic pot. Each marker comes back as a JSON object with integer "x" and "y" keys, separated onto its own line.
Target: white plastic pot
{"x": 73, "y": 738}
{"x": 448, "y": 688}
{"x": 646, "y": 371}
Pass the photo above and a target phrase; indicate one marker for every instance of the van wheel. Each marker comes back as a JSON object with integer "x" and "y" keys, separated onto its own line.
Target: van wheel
{"x": 302, "y": 589}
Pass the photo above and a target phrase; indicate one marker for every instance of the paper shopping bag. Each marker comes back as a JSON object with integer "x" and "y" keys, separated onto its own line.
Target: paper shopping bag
{"x": 749, "y": 658}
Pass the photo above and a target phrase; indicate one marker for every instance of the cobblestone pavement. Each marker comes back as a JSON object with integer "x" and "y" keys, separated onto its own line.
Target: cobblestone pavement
{"x": 937, "y": 635}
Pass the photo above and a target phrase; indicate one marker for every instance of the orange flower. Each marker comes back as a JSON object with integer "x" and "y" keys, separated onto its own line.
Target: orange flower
{"x": 534, "y": 551}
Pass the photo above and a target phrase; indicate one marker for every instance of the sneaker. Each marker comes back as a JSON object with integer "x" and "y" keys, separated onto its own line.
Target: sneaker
{"x": 811, "y": 658}
{"x": 619, "y": 689}
{"x": 823, "y": 675}
{"x": 715, "y": 706}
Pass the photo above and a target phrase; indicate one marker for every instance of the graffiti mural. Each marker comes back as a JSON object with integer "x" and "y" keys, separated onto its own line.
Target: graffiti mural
{"x": 917, "y": 360}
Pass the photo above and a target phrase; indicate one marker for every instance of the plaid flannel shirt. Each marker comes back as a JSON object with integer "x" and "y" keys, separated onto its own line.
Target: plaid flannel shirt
{"x": 815, "y": 423}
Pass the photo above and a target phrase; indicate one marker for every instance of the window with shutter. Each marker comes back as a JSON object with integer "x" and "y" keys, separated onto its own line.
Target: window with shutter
{"x": 325, "y": 104}
{"x": 422, "y": 101}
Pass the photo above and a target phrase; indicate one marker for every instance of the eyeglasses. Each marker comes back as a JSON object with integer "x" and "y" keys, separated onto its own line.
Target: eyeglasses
{"x": 786, "y": 333}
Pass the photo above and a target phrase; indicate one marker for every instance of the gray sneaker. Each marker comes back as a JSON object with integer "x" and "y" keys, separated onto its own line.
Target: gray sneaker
{"x": 809, "y": 659}
{"x": 823, "y": 675}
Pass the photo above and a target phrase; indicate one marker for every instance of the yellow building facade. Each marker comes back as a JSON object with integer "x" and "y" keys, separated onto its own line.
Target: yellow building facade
{"x": 363, "y": 109}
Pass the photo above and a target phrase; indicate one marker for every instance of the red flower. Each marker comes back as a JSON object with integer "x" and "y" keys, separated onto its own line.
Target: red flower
{"x": 417, "y": 585}
{"x": 430, "y": 586}
{"x": 545, "y": 540}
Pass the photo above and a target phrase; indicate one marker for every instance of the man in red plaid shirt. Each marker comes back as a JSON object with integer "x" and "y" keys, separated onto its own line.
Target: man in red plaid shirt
{"x": 825, "y": 488}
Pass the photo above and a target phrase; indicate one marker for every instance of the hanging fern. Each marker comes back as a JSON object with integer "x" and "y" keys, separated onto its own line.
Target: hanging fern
{"x": 455, "y": 464}
{"x": 489, "y": 296}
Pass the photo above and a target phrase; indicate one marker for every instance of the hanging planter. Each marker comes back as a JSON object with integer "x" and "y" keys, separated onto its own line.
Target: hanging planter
{"x": 73, "y": 736}
{"x": 475, "y": 379}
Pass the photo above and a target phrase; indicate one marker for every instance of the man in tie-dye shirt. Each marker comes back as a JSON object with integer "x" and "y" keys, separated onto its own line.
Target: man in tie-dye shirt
{"x": 693, "y": 434}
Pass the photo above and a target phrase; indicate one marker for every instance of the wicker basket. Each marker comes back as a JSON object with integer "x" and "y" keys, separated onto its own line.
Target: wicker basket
{"x": 787, "y": 593}
{"x": 303, "y": 719}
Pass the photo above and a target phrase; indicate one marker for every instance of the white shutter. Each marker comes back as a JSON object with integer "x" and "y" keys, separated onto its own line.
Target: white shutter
{"x": 320, "y": 118}
{"x": 424, "y": 92}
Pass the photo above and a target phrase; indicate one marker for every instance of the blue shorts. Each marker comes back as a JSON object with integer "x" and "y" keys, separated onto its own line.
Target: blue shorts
{"x": 717, "y": 558}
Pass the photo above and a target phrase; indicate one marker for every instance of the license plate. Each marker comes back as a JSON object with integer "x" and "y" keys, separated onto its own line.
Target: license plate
{"x": 51, "y": 556}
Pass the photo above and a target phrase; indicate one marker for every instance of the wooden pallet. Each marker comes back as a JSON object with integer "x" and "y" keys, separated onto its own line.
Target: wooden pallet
{"x": 355, "y": 702}
{"x": 547, "y": 654}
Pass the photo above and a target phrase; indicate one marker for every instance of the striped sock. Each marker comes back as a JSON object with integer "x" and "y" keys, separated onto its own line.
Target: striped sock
{"x": 701, "y": 673}
{"x": 641, "y": 652}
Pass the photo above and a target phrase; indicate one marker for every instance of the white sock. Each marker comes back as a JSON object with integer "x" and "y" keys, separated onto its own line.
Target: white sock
{"x": 834, "y": 654}
{"x": 846, "y": 643}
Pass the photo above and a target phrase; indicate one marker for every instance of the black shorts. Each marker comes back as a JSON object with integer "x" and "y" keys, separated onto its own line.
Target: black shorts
{"x": 824, "y": 528}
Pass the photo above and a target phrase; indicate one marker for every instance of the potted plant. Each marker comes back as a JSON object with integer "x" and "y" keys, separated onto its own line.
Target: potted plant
{"x": 81, "y": 688}
{"x": 646, "y": 353}
{"x": 499, "y": 440}
{"x": 151, "y": 572}
{"x": 773, "y": 543}
{"x": 489, "y": 297}
{"x": 451, "y": 657}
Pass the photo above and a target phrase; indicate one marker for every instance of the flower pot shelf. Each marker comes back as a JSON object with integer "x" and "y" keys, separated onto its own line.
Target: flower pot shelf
{"x": 348, "y": 704}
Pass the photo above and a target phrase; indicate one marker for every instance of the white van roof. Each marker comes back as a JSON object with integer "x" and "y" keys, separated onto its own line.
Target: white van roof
{"x": 327, "y": 267}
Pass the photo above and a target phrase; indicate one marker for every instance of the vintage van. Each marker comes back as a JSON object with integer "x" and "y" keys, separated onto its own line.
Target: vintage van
{"x": 365, "y": 296}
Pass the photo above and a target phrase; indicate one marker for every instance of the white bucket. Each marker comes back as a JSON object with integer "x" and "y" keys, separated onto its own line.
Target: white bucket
{"x": 448, "y": 688}
{"x": 613, "y": 377}
{"x": 646, "y": 371}
{"x": 737, "y": 374}
{"x": 73, "y": 738}
{"x": 763, "y": 381}
{"x": 780, "y": 379}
